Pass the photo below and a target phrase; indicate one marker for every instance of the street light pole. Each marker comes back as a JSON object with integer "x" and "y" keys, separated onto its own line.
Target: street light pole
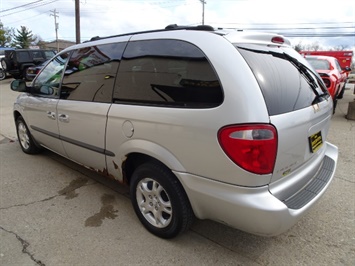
{"x": 203, "y": 11}
{"x": 77, "y": 21}
{"x": 56, "y": 25}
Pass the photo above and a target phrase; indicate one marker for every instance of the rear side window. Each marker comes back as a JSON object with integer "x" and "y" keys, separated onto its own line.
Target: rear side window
{"x": 23, "y": 56}
{"x": 284, "y": 87}
{"x": 91, "y": 72}
{"x": 167, "y": 73}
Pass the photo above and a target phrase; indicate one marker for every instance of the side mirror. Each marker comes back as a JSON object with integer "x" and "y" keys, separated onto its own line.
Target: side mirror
{"x": 19, "y": 85}
{"x": 347, "y": 69}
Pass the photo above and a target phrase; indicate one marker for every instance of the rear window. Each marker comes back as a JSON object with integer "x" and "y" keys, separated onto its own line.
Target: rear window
{"x": 284, "y": 87}
{"x": 319, "y": 63}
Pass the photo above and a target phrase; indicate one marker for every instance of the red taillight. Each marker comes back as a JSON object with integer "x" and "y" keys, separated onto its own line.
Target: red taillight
{"x": 277, "y": 39}
{"x": 252, "y": 147}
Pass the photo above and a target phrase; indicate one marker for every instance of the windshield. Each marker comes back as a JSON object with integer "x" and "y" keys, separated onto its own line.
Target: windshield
{"x": 285, "y": 78}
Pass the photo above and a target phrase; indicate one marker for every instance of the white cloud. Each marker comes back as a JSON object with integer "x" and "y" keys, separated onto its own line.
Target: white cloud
{"x": 111, "y": 17}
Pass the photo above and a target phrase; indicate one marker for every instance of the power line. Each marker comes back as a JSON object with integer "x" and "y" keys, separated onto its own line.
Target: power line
{"x": 9, "y": 9}
{"x": 38, "y": 5}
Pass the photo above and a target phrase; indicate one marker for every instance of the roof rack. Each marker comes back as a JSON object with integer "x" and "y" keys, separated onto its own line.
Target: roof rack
{"x": 167, "y": 28}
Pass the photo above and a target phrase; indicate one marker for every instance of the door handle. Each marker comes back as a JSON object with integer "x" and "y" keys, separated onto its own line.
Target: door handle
{"x": 63, "y": 118}
{"x": 51, "y": 115}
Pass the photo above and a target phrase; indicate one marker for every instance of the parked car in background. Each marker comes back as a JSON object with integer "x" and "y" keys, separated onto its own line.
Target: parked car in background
{"x": 200, "y": 122}
{"x": 344, "y": 57}
{"x": 351, "y": 77}
{"x": 17, "y": 61}
{"x": 334, "y": 77}
{"x": 32, "y": 71}
{"x": 2, "y": 55}
{"x": 2, "y": 73}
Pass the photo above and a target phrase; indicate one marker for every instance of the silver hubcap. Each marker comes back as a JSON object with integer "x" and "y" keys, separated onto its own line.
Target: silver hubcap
{"x": 23, "y": 136}
{"x": 154, "y": 203}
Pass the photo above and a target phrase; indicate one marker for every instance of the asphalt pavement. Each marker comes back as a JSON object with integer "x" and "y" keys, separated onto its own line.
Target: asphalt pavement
{"x": 54, "y": 212}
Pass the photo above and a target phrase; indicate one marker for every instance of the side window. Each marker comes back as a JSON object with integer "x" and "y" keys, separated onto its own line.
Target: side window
{"x": 167, "y": 73}
{"x": 49, "y": 54}
{"x": 48, "y": 81}
{"x": 338, "y": 66}
{"x": 91, "y": 73}
{"x": 23, "y": 56}
{"x": 37, "y": 55}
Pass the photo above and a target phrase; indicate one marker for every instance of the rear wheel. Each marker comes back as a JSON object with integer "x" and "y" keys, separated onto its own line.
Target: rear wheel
{"x": 2, "y": 74}
{"x": 335, "y": 102}
{"x": 24, "y": 73}
{"x": 25, "y": 138}
{"x": 341, "y": 94}
{"x": 3, "y": 64}
{"x": 160, "y": 201}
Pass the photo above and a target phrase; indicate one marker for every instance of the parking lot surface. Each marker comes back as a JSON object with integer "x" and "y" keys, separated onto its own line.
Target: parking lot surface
{"x": 54, "y": 212}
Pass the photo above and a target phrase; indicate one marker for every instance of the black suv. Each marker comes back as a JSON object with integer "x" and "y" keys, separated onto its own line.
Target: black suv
{"x": 17, "y": 61}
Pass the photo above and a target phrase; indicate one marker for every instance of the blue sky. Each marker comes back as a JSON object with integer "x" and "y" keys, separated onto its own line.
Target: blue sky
{"x": 333, "y": 22}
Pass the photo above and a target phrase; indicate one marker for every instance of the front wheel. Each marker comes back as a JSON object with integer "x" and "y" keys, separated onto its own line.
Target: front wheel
{"x": 25, "y": 138}
{"x": 159, "y": 201}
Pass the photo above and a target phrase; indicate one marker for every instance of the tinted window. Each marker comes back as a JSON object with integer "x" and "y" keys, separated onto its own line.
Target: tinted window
{"x": 91, "y": 72}
{"x": 48, "y": 81}
{"x": 49, "y": 54}
{"x": 284, "y": 87}
{"x": 23, "y": 56}
{"x": 167, "y": 73}
{"x": 37, "y": 55}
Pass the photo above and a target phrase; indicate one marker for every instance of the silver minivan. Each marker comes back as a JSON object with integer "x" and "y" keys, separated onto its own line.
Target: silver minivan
{"x": 200, "y": 122}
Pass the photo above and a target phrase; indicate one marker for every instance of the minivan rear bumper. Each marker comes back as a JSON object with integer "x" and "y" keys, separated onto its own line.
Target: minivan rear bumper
{"x": 254, "y": 210}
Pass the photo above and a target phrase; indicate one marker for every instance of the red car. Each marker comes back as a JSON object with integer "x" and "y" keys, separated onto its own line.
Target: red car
{"x": 334, "y": 77}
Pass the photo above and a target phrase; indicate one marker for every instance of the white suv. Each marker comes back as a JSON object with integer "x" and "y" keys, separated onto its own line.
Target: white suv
{"x": 199, "y": 122}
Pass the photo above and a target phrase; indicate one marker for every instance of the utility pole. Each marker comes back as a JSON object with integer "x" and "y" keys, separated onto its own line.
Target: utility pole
{"x": 56, "y": 26}
{"x": 77, "y": 21}
{"x": 203, "y": 11}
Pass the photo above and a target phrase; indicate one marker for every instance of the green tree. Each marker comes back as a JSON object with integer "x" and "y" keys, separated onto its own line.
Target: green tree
{"x": 5, "y": 35}
{"x": 23, "y": 38}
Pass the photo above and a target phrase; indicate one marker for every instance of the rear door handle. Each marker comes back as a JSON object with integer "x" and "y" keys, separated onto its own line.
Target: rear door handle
{"x": 51, "y": 115}
{"x": 63, "y": 118}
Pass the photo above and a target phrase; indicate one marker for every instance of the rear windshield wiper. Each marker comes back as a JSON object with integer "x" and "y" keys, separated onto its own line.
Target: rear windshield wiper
{"x": 303, "y": 70}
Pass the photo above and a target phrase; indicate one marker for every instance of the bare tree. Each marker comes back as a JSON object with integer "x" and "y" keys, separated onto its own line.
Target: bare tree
{"x": 341, "y": 47}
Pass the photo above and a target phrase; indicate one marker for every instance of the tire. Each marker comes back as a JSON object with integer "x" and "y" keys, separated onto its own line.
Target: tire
{"x": 25, "y": 138}
{"x": 159, "y": 201}
{"x": 3, "y": 64}
{"x": 335, "y": 102}
{"x": 2, "y": 74}
{"x": 341, "y": 94}
{"x": 24, "y": 74}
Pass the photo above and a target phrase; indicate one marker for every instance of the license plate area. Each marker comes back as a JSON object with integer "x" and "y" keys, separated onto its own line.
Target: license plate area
{"x": 315, "y": 141}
